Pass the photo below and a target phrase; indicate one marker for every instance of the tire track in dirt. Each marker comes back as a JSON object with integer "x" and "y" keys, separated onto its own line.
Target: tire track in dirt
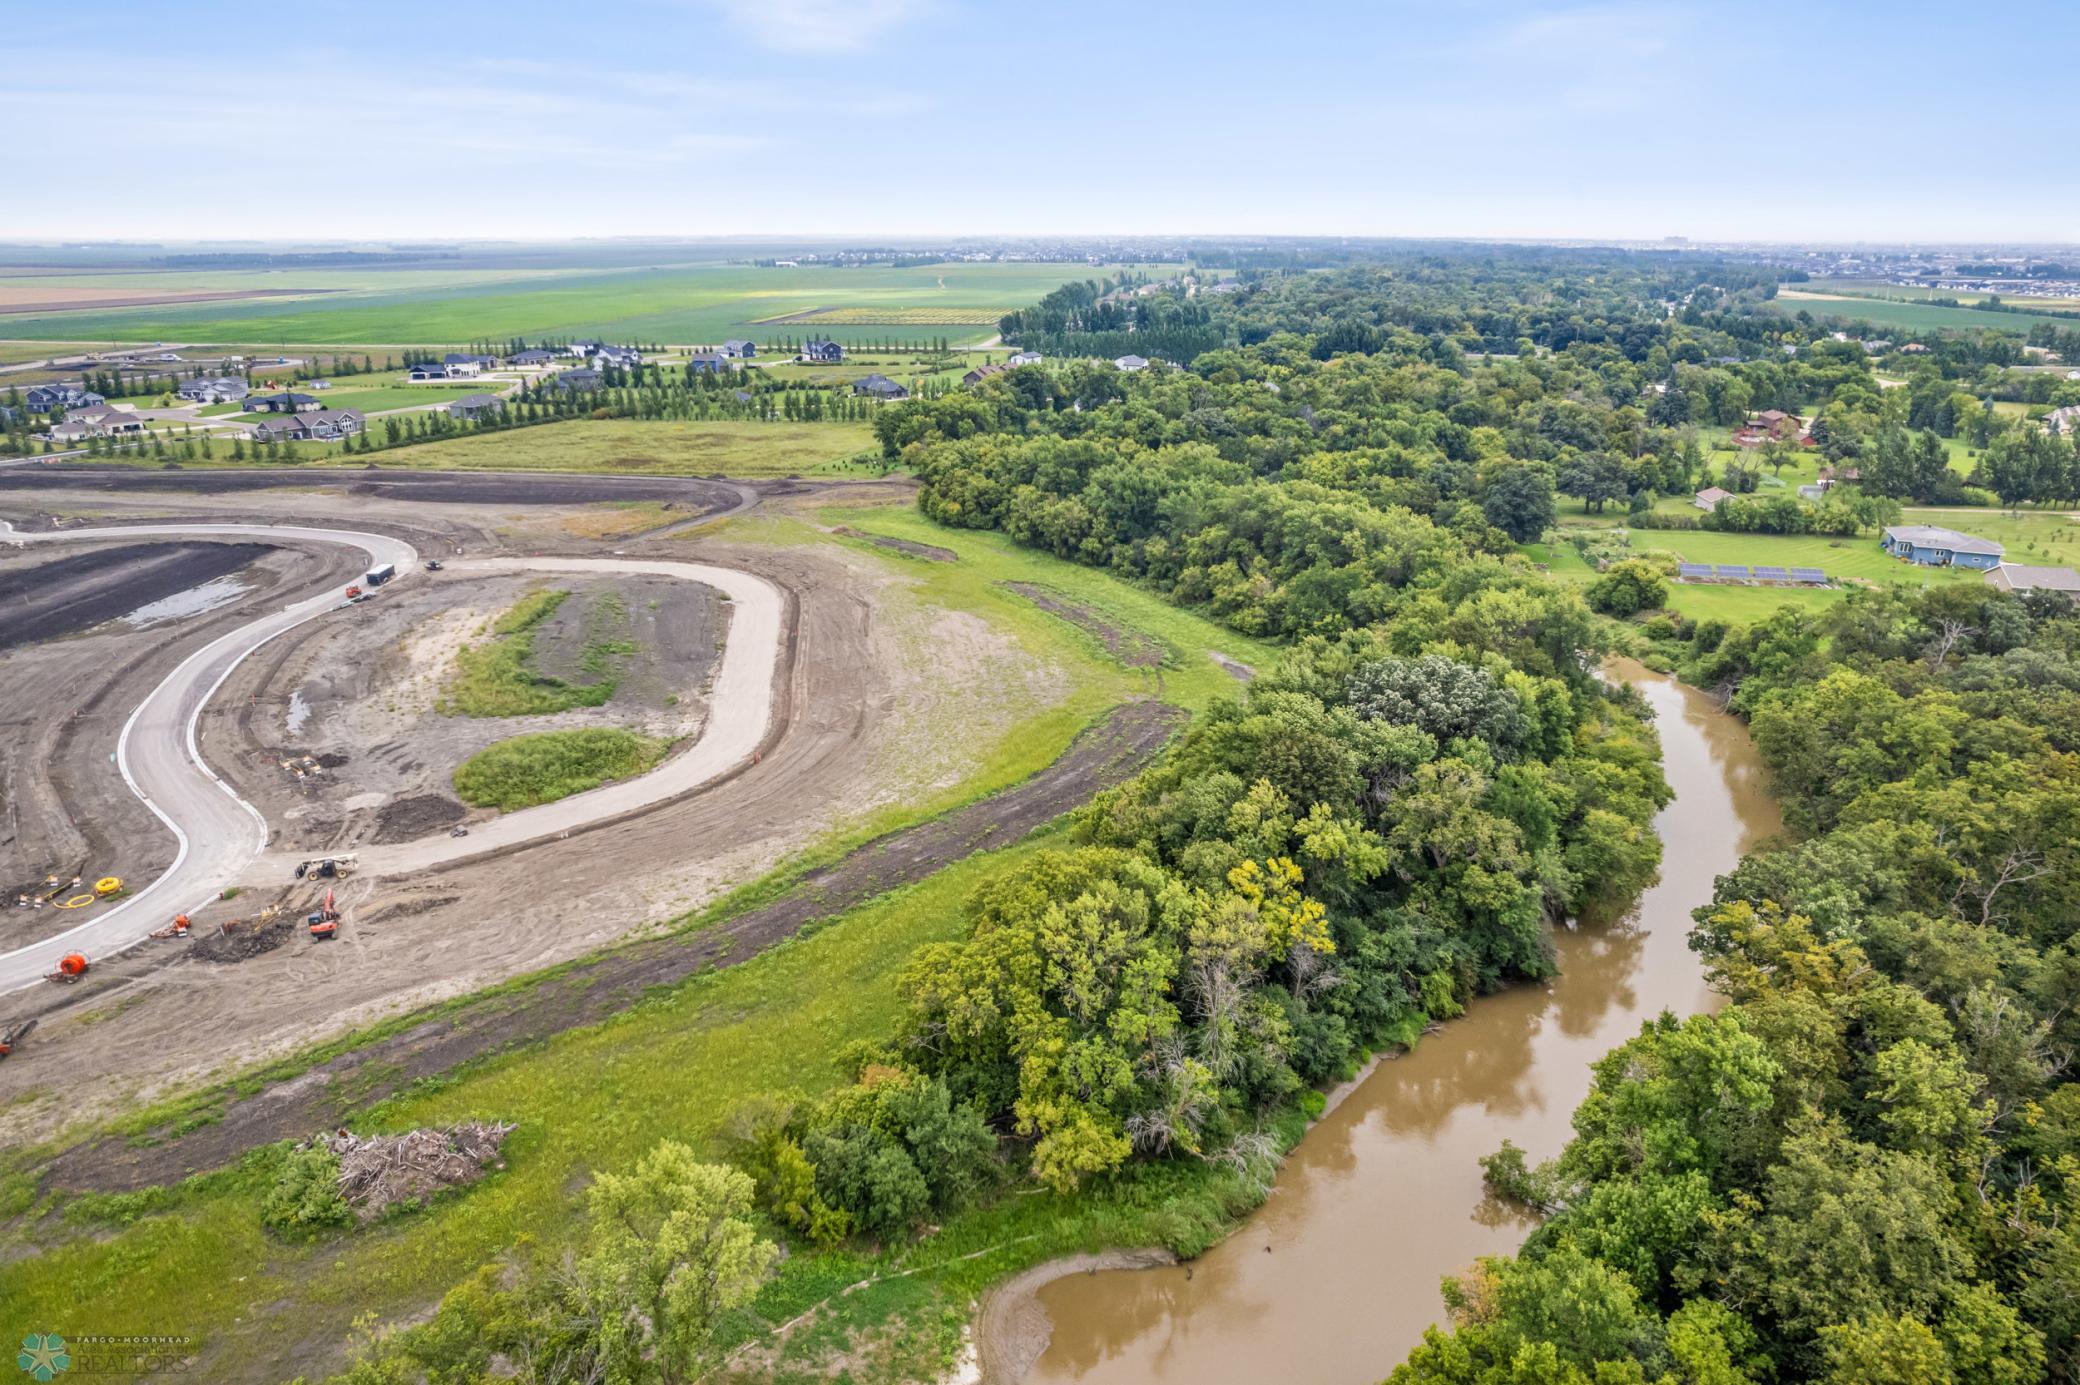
{"x": 1102, "y": 756}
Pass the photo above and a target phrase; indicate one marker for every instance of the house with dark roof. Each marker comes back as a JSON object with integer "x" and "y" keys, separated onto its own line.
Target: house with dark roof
{"x": 1019, "y": 358}
{"x": 623, "y": 356}
{"x": 737, "y": 348}
{"x": 473, "y": 406}
{"x": 983, "y": 372}
{"x": 533, "y": 356}
{"x": 221, "y": 391}
{"x": 323, "y": 425}
{"x": 709, "y": 363}
{"x": 880, "y": 387}
{"x": 2022, "y": 580}
{"x": 582, "y": 378}
{"x": 43, "y": 399}
{"x": 1934, "y": 546}
{"x": 284, "y": 404}
{"x": 821, "y": 351}
{"x": 463, "y": 358}
{"x": 428, "y": 370}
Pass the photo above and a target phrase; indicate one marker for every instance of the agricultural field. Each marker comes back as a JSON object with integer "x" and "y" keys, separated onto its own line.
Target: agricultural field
{"x": 691, "y": 303}
{"x": 1911, "y": 317}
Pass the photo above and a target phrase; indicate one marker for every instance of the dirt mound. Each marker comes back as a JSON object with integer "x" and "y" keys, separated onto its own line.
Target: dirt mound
{"x": 246, "y": 938}
{"x": 381, "y": 1171}
{"x": 408, "y": 908}
{"x": 410, "y": 818}
{"x": 1131, "y": 647}
{"x": 929, "y": 552}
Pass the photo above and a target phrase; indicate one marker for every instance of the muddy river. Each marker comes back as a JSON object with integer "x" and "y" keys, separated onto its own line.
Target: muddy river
{"x": 1336, "y": 1277}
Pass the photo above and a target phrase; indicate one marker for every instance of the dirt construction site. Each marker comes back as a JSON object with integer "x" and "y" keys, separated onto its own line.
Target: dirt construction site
{"x": 341, "y": 730}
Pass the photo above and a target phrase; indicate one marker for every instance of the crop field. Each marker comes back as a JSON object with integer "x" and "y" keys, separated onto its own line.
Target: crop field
{"x": 888, "y": 317}
{"x": 694, "y": 303}
{"x": 1875, "y": 288}
{"x": 1912, "y": 317}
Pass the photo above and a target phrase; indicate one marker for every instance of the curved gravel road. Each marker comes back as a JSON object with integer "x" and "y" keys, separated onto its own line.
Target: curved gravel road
{"x": 219, "y": 835}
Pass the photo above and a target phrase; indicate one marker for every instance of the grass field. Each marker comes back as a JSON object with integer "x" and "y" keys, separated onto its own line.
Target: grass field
{"x": 699, "y": 303}
{"x": 546, "y": 766}
{"x": 676, "y": 1065}
{"x": 1827, "y": 302}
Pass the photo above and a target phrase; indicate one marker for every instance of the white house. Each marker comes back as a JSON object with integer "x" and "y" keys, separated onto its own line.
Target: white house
{"x": 1130, "y": 364}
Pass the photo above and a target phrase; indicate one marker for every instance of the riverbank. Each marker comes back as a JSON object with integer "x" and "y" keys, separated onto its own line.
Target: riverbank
{"x": 1384, "y": 1196}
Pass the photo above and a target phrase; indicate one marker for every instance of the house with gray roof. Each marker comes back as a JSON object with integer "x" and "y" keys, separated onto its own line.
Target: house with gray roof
{"x": 43, "y": 399}
{"x": 738, "y": 348}
{"x": 533, "y": 356}
{"x": 220, "y": 391}
{"x": 822, "y": 351}
{"x": 285, "y": 403}
{"x": 709, "y": 363}
{"x": 322, "y": 425}
{"x": 473, "y": 406}
{"x": 879, "y": 386}
{"x": 1934, "y": 546}
{"x": 583, "y": 378}
{"x": 1130, "y": 364}
{"x": 2022, "y": 580}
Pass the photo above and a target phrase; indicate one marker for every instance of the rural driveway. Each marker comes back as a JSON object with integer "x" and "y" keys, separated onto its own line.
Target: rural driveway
{"x": 219, "y": 835}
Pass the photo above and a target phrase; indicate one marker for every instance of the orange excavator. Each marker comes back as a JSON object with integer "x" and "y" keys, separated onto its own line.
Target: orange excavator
{"x": 324, "y": 924}
{"x": 12, "y": 1036}
{"x": 71, "y": 967}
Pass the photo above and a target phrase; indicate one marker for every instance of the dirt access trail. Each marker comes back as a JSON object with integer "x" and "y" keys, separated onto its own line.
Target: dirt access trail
{"x": 592, "y": 990}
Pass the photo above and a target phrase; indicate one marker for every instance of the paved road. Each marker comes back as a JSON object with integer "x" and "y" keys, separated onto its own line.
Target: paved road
{"x": 220, "y": 836}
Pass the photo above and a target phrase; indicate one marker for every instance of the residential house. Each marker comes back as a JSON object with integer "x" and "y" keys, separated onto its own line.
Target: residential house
{"x": 880, "y": 387}
{"x": 822, "y": 352}
{"x": 2065, "y": 420}
{"x": 1914, "y": 348}
{"x": 1708, "y": 499}
{"x": 45, "y": 399}
{"x": 579, "y": 379}
{"x": 1130, "y": 364}
{"x": 534, "y": 356}
{"x": 461, "y": 358}
{"x": 739, "y": 349}
{"x": 473, "y": 406}
{"x": 2014, "y": 577}
{"x": 582, "y": 348}
{"x": 1771, "y": 425}
{"x": 95, "y": 421}
{"x": 428, "y": 370}
{"x": 983, "y": 372}
{"x": 322, "y": 425}
{"x": 1934, "y": 546}
{"x": 709, "y": 363}
{"x": 224, "y": 390}
{"x": 623, "y": 356}
{"x": 1019, "y": 358}
{"x": 284, "y": 404}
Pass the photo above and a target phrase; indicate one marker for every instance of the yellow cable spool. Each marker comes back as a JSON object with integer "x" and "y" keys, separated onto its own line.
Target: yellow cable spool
{"x": 78, "y": 901}
{"x": 108, "y": 884}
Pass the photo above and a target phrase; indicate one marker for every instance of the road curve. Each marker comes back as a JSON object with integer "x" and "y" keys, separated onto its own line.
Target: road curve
{"x": 219, "y": 835}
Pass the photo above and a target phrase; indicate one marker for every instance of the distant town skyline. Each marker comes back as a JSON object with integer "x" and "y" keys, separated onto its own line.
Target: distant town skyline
{"x": 1766, "y": 122}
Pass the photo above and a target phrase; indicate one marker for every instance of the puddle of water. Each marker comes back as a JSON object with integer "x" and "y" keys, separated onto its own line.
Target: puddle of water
{"x": 218, "y": 591}
{"x": 1384, "y": 1197}
{"x": 299, "y": 712}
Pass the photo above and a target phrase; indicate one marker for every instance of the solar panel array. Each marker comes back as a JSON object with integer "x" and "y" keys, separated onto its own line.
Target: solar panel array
{"x": 1772, "y": 574}
{"x": 1808, "y": 574}
{"x": 1732, "y": 570}
{"x": 1696, "y": 569}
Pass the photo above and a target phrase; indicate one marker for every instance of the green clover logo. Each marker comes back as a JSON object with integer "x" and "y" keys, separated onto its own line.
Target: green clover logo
{"x": 43, "y": 1356}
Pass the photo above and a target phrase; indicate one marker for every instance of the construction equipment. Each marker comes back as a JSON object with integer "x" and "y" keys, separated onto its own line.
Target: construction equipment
{"x": 108, "y": 884}
{"x": 379, "y": 575}
{"x": 433, "y": 565}
{"x": 353, "y": 593}
{"x": 13, "y": 1035}
{"x": 327, "y": 867}
{"x": 324, "y": 924}
{"x": 71, "y": 967}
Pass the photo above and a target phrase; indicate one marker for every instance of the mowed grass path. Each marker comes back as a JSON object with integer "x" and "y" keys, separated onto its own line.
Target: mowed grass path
{"x": 703, "y": 303}
{"x": 675, "y": 1066}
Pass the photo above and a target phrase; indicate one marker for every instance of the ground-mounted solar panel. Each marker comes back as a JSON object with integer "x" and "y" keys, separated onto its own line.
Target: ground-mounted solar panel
{"x": 1774, "y": 574}
{"x": 1695, "y": 569}
{"x": 1808, "y": 574}
{"x": 1732, "y": 570}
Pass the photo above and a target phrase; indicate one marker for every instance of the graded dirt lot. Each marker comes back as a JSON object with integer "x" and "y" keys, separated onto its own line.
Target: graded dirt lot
{"x": 61, "y": 595}
{"x": 872, "y": 678}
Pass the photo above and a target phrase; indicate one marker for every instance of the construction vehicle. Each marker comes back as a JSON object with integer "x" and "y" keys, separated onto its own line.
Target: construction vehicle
{"x": 324, "y": 923}
{"x": 379, "y": 575}
{"x": 433, "y": 565}
{"x": 71, "y": 967}
{"x": 327, "y": 867}
{"x": 13, "y": 1035}
{"x": 353, "y": 593}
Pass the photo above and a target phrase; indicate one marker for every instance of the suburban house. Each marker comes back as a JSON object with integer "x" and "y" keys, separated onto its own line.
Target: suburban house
{"x": 283, "y": 404}
{"x": 822, "y": 352}
{"x": 880, "y": 387}
{"x": 1019, "y": 358}
{"x": 1935, "y": 546}
{"x": 221, "y": 391}
{"x": 2065, "y": 420}
{"x": 323, "y": 425}
{"x": 1708, "y": 499}
{"x": 533, "y": 356}
{"x": 1130, "y": 364}
{"x": 709, "y": 362}
{"x": 43, "y": 399}
{"x": 2014, "y": 577}
{"x": 579, "y": 379}
{"x": 1770, "y": 424}
{"x": 428, "y": 370}
{"x": 95, "y": 421}
{"x": 738, "y": 349}
{"x": 983, "y": 372}
{"x": 582, "y": 348}
{"x": 623, "y": 356}
{"x": 476, "y": 364}
{"x": 476, "y": 406}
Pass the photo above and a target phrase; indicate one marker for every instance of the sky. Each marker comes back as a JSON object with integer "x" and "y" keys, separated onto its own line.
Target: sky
{"x": 1762, "y": 120}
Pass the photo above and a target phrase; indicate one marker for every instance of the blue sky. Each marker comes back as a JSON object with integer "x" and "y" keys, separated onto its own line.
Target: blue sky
{"x": 1764, "y": 120}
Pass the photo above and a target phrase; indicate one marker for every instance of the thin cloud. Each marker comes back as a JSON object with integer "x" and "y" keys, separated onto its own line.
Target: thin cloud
{"x": 817, "y": 26}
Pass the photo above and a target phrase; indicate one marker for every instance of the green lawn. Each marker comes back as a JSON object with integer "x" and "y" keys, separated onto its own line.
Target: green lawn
{"x": 541, "y": 768}
{"x": 688, "y": 303}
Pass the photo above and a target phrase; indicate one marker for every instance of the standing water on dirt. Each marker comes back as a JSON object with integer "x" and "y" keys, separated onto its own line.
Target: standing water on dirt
{"x": 1336, "y": 1277}
{"x": 299, "y": 712}
{"x": 218, "y": 591}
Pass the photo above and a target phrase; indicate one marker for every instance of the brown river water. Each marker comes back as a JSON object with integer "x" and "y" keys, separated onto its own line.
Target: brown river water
{"x": 1336, "y": 1277}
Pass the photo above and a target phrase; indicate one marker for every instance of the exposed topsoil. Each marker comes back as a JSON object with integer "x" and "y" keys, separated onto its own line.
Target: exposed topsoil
{"x": 46, "y": 593}
{"x": 1130, "y": 647}
{"x": 590, "y": 991}
{"x": 433, "y": 487}
{"x": 927, "y": 551}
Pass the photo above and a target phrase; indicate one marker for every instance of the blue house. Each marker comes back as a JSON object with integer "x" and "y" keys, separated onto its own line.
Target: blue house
{"x": 822, "y": 351}
{"x": 1935, "y": 546}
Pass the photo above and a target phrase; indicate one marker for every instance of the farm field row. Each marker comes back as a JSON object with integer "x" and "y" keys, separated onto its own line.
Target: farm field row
{"x": 690, "y": 303}
{"x": 1911, "y": 317}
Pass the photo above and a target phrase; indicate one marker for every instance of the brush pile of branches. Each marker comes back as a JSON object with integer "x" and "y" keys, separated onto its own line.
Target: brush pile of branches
{"x": 377, "y": 1172}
